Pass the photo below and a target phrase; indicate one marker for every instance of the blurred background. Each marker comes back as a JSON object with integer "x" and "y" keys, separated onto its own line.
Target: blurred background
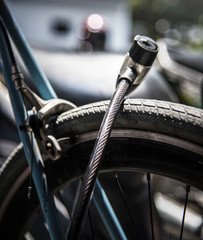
{"x": 177, "y": 19}
{"x": 59, "y": 23}
{"x": 62, "y": 24}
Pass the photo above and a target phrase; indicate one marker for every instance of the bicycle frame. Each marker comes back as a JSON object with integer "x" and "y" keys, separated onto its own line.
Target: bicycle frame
{"x": 33, "y": 156}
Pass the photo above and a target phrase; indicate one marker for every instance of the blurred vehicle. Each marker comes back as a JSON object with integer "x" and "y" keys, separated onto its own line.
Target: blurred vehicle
{"x": 182, "y": 67}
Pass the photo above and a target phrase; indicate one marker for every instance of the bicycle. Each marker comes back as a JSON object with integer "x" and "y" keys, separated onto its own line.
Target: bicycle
{"x": 144, "y": 133}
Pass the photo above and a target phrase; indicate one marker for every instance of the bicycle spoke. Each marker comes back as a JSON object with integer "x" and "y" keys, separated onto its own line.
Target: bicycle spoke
{"x": 150, "y": 204}
{"x": 115, "y": 175}
{"x": 91, "y": 224}
{"x": 62, "y": 205}
{"x": 184, "y": 211}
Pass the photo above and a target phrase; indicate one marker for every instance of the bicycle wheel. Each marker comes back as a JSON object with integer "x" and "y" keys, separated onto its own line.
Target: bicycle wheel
{"x": 148, "y": 137}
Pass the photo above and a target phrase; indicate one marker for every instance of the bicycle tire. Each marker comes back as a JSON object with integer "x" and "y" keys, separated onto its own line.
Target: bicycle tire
{"x": 148, "y": 135}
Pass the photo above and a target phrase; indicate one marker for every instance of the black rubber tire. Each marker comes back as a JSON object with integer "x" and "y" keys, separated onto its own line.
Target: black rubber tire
{"x": 159, "y": 116}
{"x": 150, "y": 136}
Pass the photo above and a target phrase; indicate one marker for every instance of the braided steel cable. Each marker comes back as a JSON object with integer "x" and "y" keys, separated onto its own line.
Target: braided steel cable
{"x": 93, "y": 168}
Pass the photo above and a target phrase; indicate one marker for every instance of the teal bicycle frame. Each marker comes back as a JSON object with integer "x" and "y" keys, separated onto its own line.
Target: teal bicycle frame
{"x": 30, "y": 145}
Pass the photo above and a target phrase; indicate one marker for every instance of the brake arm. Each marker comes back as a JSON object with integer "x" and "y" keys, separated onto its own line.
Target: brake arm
{"x": 53, "y": 107}
{"x": 43, "y": 109}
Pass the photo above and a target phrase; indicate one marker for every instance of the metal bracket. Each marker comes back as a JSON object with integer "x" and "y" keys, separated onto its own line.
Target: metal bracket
{"x": 36, "y": 123}
{"x": 43, "y": 109}
{"x": 53, "y": 148}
